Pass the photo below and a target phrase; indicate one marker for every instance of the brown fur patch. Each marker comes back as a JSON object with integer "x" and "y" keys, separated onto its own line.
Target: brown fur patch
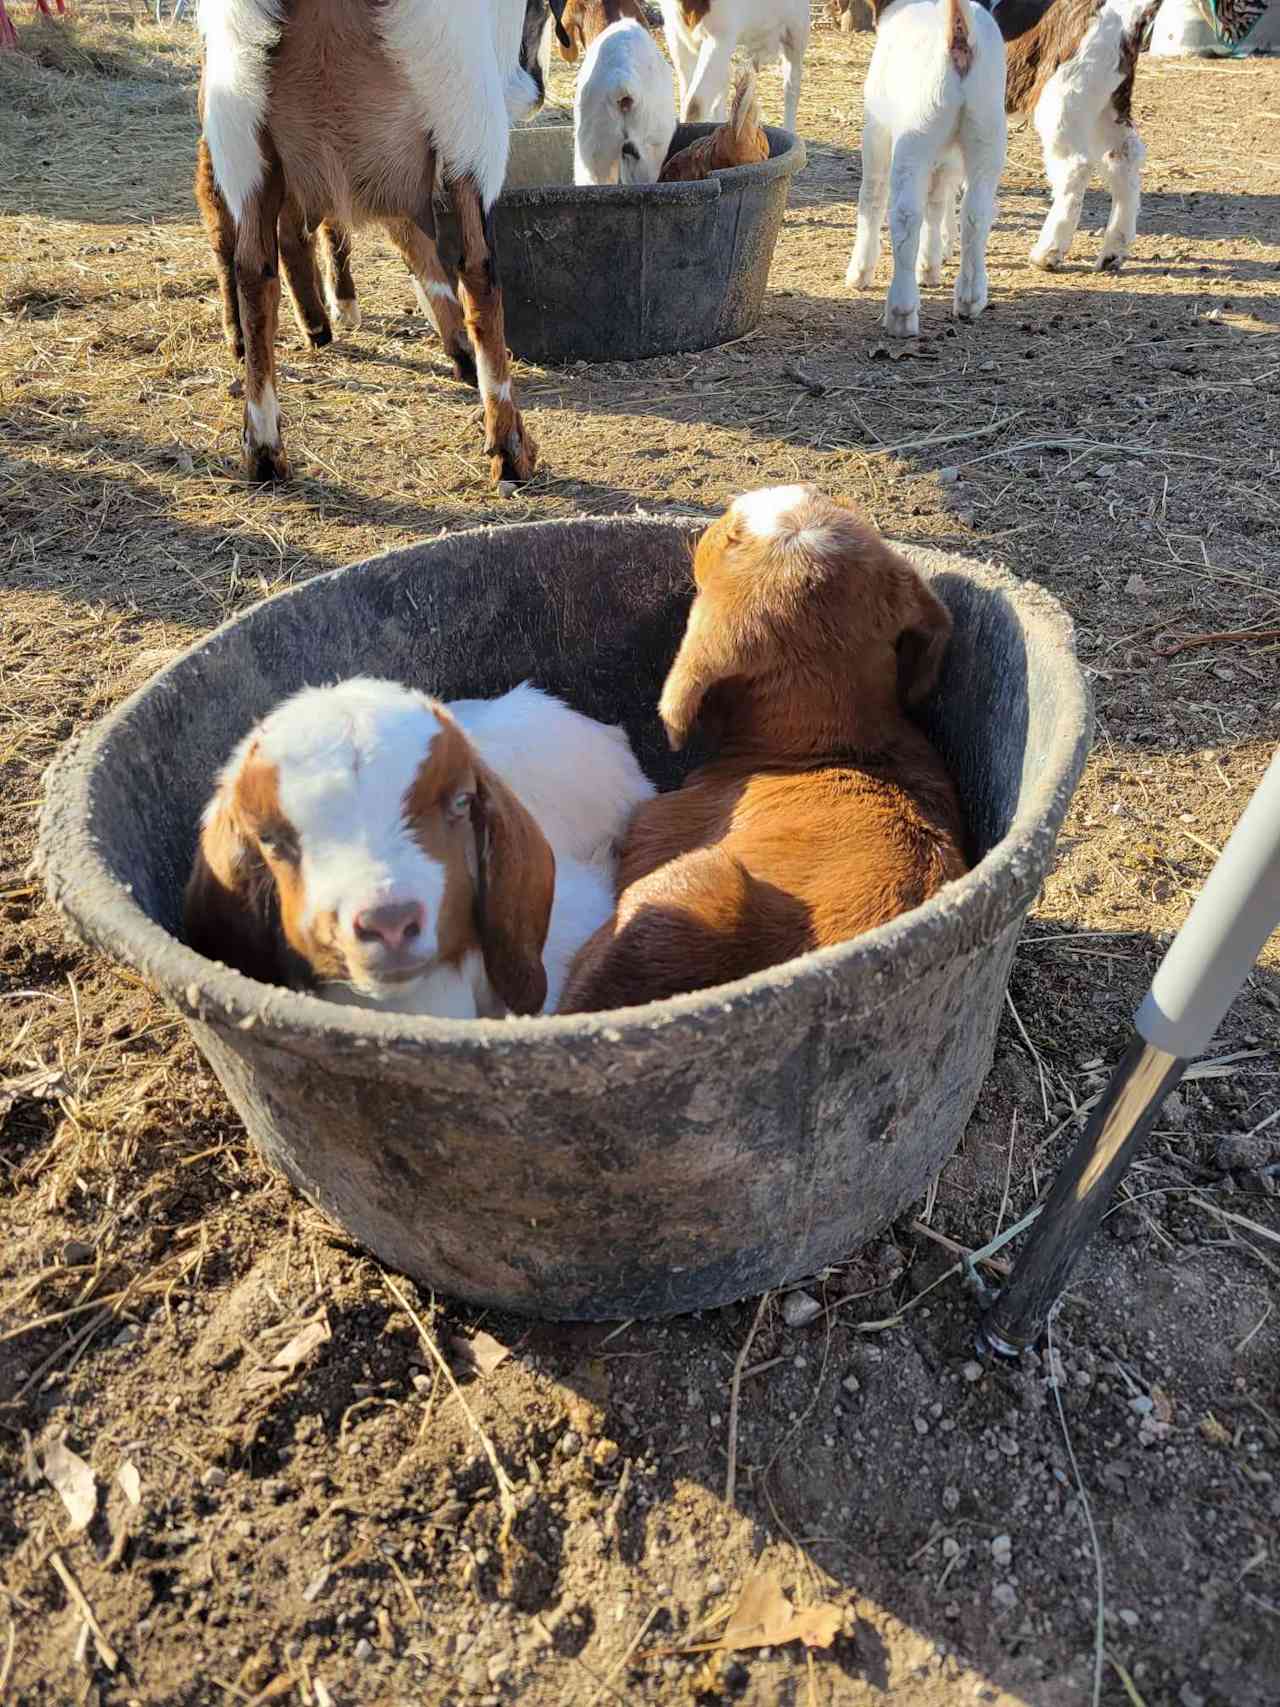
{"x": 827, "y": 811}
{"x": 693, "y": 12}
{"x": 447, "y": 771}
{"x": 584, "y": 20}
{"x": 512, "y": 450}
{"x": 1033, "y": 57}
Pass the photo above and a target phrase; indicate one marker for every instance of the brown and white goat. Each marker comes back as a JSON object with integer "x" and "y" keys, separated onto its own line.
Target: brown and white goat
{"x": 1071, "y": 67}
{"x": 826, "y": 811}
{"x": 583, "y": 20}
{"x": 377, "y": 848}
{"x": 340, "y": 113}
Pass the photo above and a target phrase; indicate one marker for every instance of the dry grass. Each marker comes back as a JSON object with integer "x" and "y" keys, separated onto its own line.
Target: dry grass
{"x": 1113, "y": 438}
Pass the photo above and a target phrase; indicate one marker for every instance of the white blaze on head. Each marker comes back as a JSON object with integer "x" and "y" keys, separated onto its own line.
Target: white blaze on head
{"x": 346, "y": 759}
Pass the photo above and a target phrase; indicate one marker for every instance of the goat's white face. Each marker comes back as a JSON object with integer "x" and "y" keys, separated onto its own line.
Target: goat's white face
{"x": 359, "y": 799}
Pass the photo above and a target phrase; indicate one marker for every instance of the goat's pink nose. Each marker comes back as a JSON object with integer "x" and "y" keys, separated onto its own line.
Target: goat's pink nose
{"x": 394, "y": 923}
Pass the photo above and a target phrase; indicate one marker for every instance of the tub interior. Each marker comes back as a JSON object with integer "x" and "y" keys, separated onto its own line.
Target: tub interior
{"x": 591, "y": 611}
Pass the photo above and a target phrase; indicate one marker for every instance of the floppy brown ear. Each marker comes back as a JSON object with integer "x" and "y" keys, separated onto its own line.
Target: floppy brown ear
{"x": 713, "y": 650}
{"x": 229, "y": 909}
{"x": 517, "y": 880}
{"x": 922, "y": 644}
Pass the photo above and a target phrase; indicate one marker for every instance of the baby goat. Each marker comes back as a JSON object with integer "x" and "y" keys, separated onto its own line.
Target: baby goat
{"x": 934, "y": 114}
{"x": 826, "y": 811}
{"x": 382, "y": 849}
{"x": 624, "y": 108}
{"x": 1072, "y": 66}
{"x": 703, "y": 36}
{"x": 337, "y": 112}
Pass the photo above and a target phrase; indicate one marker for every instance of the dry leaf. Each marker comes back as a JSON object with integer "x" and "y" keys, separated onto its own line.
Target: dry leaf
{"x": 1213, "y": 1431}
{"x": 483, "y": 1353}
{"x": 765, "y": 1618}
{"x": 287, "y": 1359}
{"x": 129, "y": 1479}
{"x": 74, "y": 1481}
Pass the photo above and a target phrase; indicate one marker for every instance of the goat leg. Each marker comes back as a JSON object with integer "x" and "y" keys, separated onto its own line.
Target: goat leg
{"x": 221, "y": 232}
{"x": 258, "y": 281}
{"x": 342, "y": 287}
{"x": 298, "y": 261}
{"x": 437, "y": 297}
{"x": 511, "y": 448}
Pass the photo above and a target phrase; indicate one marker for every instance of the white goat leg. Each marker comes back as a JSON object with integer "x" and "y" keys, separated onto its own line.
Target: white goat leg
{"x": 873, "y": 198}
{"x": 1122, "y": 164}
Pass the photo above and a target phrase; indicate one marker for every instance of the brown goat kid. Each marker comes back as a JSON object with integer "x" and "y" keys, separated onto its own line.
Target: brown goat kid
{"x": 583, "y": 20}
{"x": 332, "y": 113}
{"x": 827, "y": 811}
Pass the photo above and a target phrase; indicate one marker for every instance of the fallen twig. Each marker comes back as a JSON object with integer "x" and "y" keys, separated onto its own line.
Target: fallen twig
{"x": 110, "y": 1658}
{"x": 1224, "y": 637}
{"x": 731, "y": 1472}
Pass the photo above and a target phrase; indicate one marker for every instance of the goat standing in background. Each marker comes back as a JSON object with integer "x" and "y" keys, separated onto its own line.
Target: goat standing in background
{"x": 933, "y": 114}
{"x": 1071, "y": 66}
{"x": 703, "y": 36}
{"x": 624, "y": 108}
{"x": 337, "y": 114}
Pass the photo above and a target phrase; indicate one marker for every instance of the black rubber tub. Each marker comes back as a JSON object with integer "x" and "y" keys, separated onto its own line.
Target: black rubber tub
{"x": 613, "y": 273}
{"x": 642, "y": 1162}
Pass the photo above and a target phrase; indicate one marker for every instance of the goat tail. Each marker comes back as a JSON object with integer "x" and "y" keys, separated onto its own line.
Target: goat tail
{"x": 744, "y": 114}
{"x": 959, "y": 39}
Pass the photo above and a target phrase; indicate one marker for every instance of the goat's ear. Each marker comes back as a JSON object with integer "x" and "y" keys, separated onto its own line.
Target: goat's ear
{"x": 704, "y": 659}
{"x": 517, "y": 880}
{"x": 922, "y": 644}
{"x": 229, "y": 909}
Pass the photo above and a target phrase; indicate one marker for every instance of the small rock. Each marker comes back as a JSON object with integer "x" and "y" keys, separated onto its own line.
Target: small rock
{"x": 950, "y": 1499}
{"x": 1143, "y": 1405}
{"x": 75, "y": 1252}
{"x": 1002, "y": 1549}
{"x": 570, "y": 1443}
{"x": 1189, "y": 1697}
{"x": 214, "y": 1477}
{"x": 508, "y": 488}
{"x": 1175, "y": 1111}
{"x": 972, "y": 1371}
{"x": 851, "y": 1384}
{"x": 799, "y": 1309}
{"x": 950, "y": 1548}
{"x": 715, "y": 1583}
{"x": 365, "y": 1649}
{"x": 1128, "y": 1617}
{"x": 1243, "y": 1153}
{"x": 948, "y": 476}
{"x": 922, "y": 1425}
{"x": 1005, "y": 1596}
{"x": 951, "y": 1609}
{"x": 127, "y": 1335}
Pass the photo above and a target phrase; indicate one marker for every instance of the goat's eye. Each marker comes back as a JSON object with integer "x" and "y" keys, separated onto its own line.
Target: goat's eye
{"x": 277, "y": 846}
{"x": 460, "y": 805}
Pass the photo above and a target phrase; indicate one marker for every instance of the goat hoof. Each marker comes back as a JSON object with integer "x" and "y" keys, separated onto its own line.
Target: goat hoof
{"x": 859, "y": 278}
{"x": 346, "y": 311}
{"x": 464, "y": 366}
{"x": 930, "y": 277}
{"x": 262, "y": 464}
{"x": 515, "y": 458}
{"x": 902, "y": 322}
{"x": 1048, "y": 260}
{"x": 969, "y": 307}
{"x": 235, "y": 344}
{"x": 1109, "y": 262}
{"x": 319, "y": 336}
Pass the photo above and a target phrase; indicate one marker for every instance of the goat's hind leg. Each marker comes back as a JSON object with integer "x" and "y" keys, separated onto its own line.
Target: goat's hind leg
{"x": 220, "y": 229}
{"x": 258, "y": 280}
{"x": 511, "y": 448}
{"x": 1122, "y": 164}
{"x": 302, "y": 275}
{"x": 1070, "y": 154}
{"x": 983, "y": 148}
{"x": 336, "y": 241}
{"x": 939, "y": 235}
{"x": 436, "y": 294}
{"x": 873, "y": 197}
{"x": 908, "y": 185}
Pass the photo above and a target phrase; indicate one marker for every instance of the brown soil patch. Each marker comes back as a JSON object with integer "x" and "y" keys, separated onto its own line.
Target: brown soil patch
{"x": 332, "y": 1532}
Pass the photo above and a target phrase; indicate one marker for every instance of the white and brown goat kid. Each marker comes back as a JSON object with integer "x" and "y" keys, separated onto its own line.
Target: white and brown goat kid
{"x": 339, "y": 113}
{"x": 933, "y": 115}
{"x": 703, "y": 36}
{"x": 375, "y": 847}
{"x": 1071, "y": 67}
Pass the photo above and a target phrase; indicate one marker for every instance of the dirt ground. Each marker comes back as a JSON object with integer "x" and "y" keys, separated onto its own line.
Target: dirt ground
{"x": 288, "y": 1500}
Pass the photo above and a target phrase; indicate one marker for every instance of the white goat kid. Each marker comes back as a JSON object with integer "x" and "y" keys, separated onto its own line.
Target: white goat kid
{"x": 703, "y": 36}
{"x": 624, "y": 109}
{"x": 933, "y": 116}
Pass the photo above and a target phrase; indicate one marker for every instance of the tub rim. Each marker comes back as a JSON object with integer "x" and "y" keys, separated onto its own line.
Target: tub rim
{"x": 960, "y": 920}
{"x": 729, "y": 179}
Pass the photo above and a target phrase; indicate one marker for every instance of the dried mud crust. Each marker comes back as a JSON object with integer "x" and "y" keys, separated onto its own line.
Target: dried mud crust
{"x": 334, "y": 1526}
